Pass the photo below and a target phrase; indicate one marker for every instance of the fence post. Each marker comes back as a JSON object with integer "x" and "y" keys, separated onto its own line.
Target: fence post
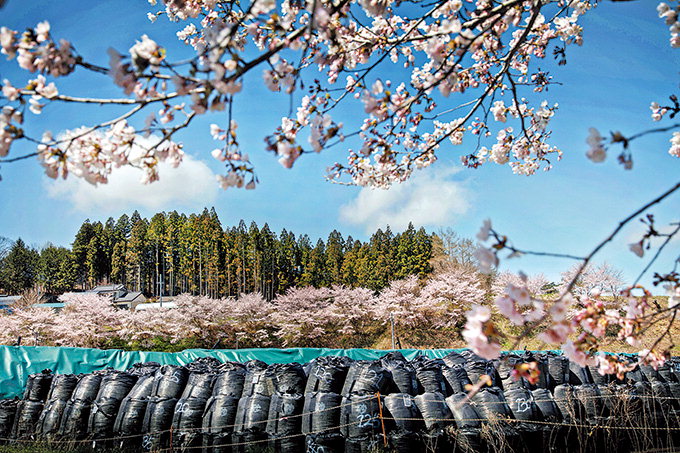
{"x": 382, "y": 420}
{"x": 392, "y": 325}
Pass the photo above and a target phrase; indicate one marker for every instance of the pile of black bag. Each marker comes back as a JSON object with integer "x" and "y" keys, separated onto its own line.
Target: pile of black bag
{"x": 335, "y": 404}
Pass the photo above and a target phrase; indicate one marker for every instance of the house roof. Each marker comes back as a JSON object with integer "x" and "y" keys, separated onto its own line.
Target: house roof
{"x": 106, "y": 288}
{"x": 127, "y": 297}
{"x": 7, "y": 300}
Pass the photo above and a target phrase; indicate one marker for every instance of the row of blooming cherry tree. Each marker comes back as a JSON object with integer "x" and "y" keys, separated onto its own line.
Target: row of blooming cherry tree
{"x": 423, "y": 312}
{"x": 333, "y": 316}
{"x": 470, "y": 73}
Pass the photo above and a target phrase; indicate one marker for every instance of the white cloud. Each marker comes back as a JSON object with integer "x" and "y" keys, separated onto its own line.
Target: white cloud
{"x": 430, "y": 198}
{"x": 191, "y": 185}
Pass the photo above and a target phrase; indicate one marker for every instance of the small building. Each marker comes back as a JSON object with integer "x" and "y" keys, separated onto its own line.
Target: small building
{"x": 129, "y": 300}
{"x": 107, "y": 290}
{"x": 6, "y": 302}
{"x": 120, "y": 296}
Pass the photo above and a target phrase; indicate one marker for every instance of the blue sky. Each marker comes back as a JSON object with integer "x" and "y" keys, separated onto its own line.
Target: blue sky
{"x": 608, "y": 83}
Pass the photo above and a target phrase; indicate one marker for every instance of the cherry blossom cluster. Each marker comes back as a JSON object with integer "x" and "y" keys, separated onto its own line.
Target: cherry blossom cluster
{"x": 239, "y": 162}
{"x": 523, "y": 151}
{"x": 321, "y": 128}
{"x": 670, "y": 16}
{"x": 36, "y": 51}
{"x": 9, "y": 131}
{"x": 92, "y": 154}
{"x": 578, "y": 319}
{"x": 535, "y": 284}
{"x": 518, "y": 306}
{"x": 485, "y": 49}
{"x": 674, "y": 150}
{"x": 480, "y": 333}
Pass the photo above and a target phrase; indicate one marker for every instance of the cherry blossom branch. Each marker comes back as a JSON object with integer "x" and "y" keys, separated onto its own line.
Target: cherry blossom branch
{"x": 668, "y": 239}
{"x": 652, "y": 131}
{"x": 103, "y": 101}
{"x": 618, "y": 228}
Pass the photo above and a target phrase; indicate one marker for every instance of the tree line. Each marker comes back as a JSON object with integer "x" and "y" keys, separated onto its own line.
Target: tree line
{"x": 174, "y": 253}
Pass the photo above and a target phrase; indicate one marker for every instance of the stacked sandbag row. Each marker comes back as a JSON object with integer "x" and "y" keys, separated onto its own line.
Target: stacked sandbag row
{"x": 166, "y": 390}
{"x": 331, "y": 404}
{"x": 187, "y": 421}
{"x": 29, "y": 409}
{"x": 287, "y": 384}
{"x": 219, "y": 417}
{"x": 113, "y": 389}
{"x": 128, "y": 425}
{"x": 61, "y": 390}
{"x": 323, "y": 404}
{"x": 8, "y": 412}
{"x": 252, "y": 411}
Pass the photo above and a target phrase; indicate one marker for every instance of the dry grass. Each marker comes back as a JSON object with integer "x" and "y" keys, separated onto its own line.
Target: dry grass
{"x": 451, "y": 338}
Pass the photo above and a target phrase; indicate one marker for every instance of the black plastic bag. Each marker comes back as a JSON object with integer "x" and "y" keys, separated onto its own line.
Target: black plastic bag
{"x": 456, "y": 378}
{"x": 199, "y": 386}
{"x": 284, "y": 417}
{"x": 546, "y": 404}
{"x": 558, "y": 368}
{"x": 49, "y": 422}
{"x": 187, "y": 423}
{"x": 435, "y": 411}
{"x": 327, "y": 374}
{"x": 116, "y": 385}
{"x": 571, "y": 408}
{"x": 321, "y": 413}
{"x": 491, "y": 404}
{"x": 87, "y": 388}
{"x": 366, "y": 376}
{"x": 590, "y": 397}
{"x": 454, "y": 358}
{"x": 229, "y": 380}
{"x": 430, "y": 376}
{"x": 288, "y": 444}
{"x": 367, "y": 444}
{"x": 27, "y": 415}
{"x": 521, "y": 402}
{"x": 157, "y": 422}
{"x": 62, "y": 387}
{"x": 74, "y": 421}
{"x": 402, "y": 373}
{"x": 579, "y": 375}
{"x": 402, "y": 413}
{"x": 360, "y": 416}
{"x": 38, "y": 386}
{"x": 324, "y": 443}
{"x": 144, "y": 369}
{"x": 287, "y": 378}
{"x": 464, "y": 412}
{"x": 8, "y": 412}
{"x": 252, "y": 413}
{"x": 255, "y": 382}
{"x": 218, "y": 422}
{"x": 504, "y": 368}
{"x": 169, "y": 382}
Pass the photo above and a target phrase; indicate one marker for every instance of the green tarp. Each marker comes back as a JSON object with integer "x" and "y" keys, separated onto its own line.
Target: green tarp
{"x": 17, "y": 362}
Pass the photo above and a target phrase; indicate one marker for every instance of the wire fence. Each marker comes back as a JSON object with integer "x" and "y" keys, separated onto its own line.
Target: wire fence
{"x": 643, "y": 423}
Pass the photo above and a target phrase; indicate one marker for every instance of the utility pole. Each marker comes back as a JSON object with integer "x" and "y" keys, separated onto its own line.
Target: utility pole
{"x": 160, "y": 290}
